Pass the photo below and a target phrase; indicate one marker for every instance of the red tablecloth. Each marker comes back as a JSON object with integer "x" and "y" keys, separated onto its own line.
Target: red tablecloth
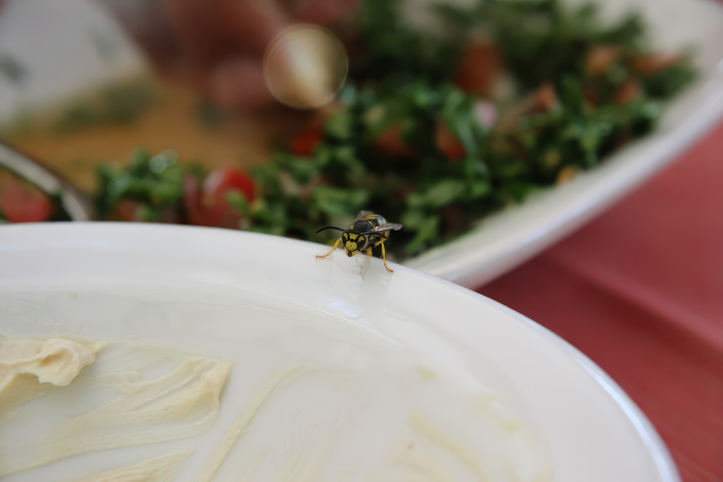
{"x": 640, "y": 291}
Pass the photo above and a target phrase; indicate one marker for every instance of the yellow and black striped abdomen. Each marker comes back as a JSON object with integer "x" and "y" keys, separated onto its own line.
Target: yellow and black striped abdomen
{"x": 375, "y": 220}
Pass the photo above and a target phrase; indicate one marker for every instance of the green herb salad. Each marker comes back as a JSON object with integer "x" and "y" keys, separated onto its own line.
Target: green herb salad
{"x": 433, "y": 130}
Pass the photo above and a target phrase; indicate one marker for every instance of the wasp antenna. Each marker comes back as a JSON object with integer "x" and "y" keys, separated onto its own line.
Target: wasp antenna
{"x": 329, "y": 227}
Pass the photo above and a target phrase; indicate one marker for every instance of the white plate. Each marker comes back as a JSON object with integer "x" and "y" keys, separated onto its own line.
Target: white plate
{"x": 500, "y": 242}
{"x": 203, "y": 290}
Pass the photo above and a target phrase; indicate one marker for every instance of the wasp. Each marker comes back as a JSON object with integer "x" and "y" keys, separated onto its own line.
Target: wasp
{"x": 368, "y": 231}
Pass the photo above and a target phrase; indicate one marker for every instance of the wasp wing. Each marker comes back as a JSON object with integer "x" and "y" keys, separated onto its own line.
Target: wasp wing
{"x": 363, "y": 214}
{"x": 387, "y": 227}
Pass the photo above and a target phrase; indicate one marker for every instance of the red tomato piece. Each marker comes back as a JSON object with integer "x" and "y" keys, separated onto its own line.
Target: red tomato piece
{"x": 208, "y": 206}
{"x": 391, "y": 144}
{"x": 192, "y": 200}
{"x": 600, "y": 57}
{"x": 651, "y": 64}
{"x": 448, "y": 143}
{"x": 545, "y": 98}
{"x": 627, "y": 92}
{"x": 128, "y": 210}
{"x": 479, "y": 69}
{"x": 307, "y": 140}
{"x": 22, "y": 206}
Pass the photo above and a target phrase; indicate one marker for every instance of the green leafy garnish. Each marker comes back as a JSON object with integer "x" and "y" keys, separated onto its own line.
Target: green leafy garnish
{"x": 141, "y": 182}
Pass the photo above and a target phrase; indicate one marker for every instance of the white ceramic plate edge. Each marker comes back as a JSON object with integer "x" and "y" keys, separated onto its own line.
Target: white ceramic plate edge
{"x": 663, "y": 460}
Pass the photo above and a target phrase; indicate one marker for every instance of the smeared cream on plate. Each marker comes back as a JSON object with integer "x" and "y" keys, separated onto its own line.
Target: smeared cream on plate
{"x": 182, "y": 402}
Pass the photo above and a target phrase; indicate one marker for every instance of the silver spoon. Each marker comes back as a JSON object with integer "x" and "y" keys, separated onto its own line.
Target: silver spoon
{"x": 73, "y": 202}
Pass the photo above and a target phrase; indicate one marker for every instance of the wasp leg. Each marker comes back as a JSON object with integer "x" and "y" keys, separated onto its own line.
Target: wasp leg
{"x": 332, "y": 249}
{"x": 384, "y": 257}
{"x": 367, "y": 262}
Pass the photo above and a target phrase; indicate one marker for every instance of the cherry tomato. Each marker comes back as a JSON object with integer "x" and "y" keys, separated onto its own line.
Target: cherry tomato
{"x": 307, "y": 140}
{"x": 391, "y": 144}
{"x": 207, "y": 205}
{"x": 23, "y": 206}
{"x": 479, "y": 68}
{"x": 448, "y": 143}
{"x": 128, "y": 210}
{"x": 627, "y": 92}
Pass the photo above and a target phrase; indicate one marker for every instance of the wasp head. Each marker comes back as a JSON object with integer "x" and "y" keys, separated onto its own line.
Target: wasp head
{"x": 353, "y": 242}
